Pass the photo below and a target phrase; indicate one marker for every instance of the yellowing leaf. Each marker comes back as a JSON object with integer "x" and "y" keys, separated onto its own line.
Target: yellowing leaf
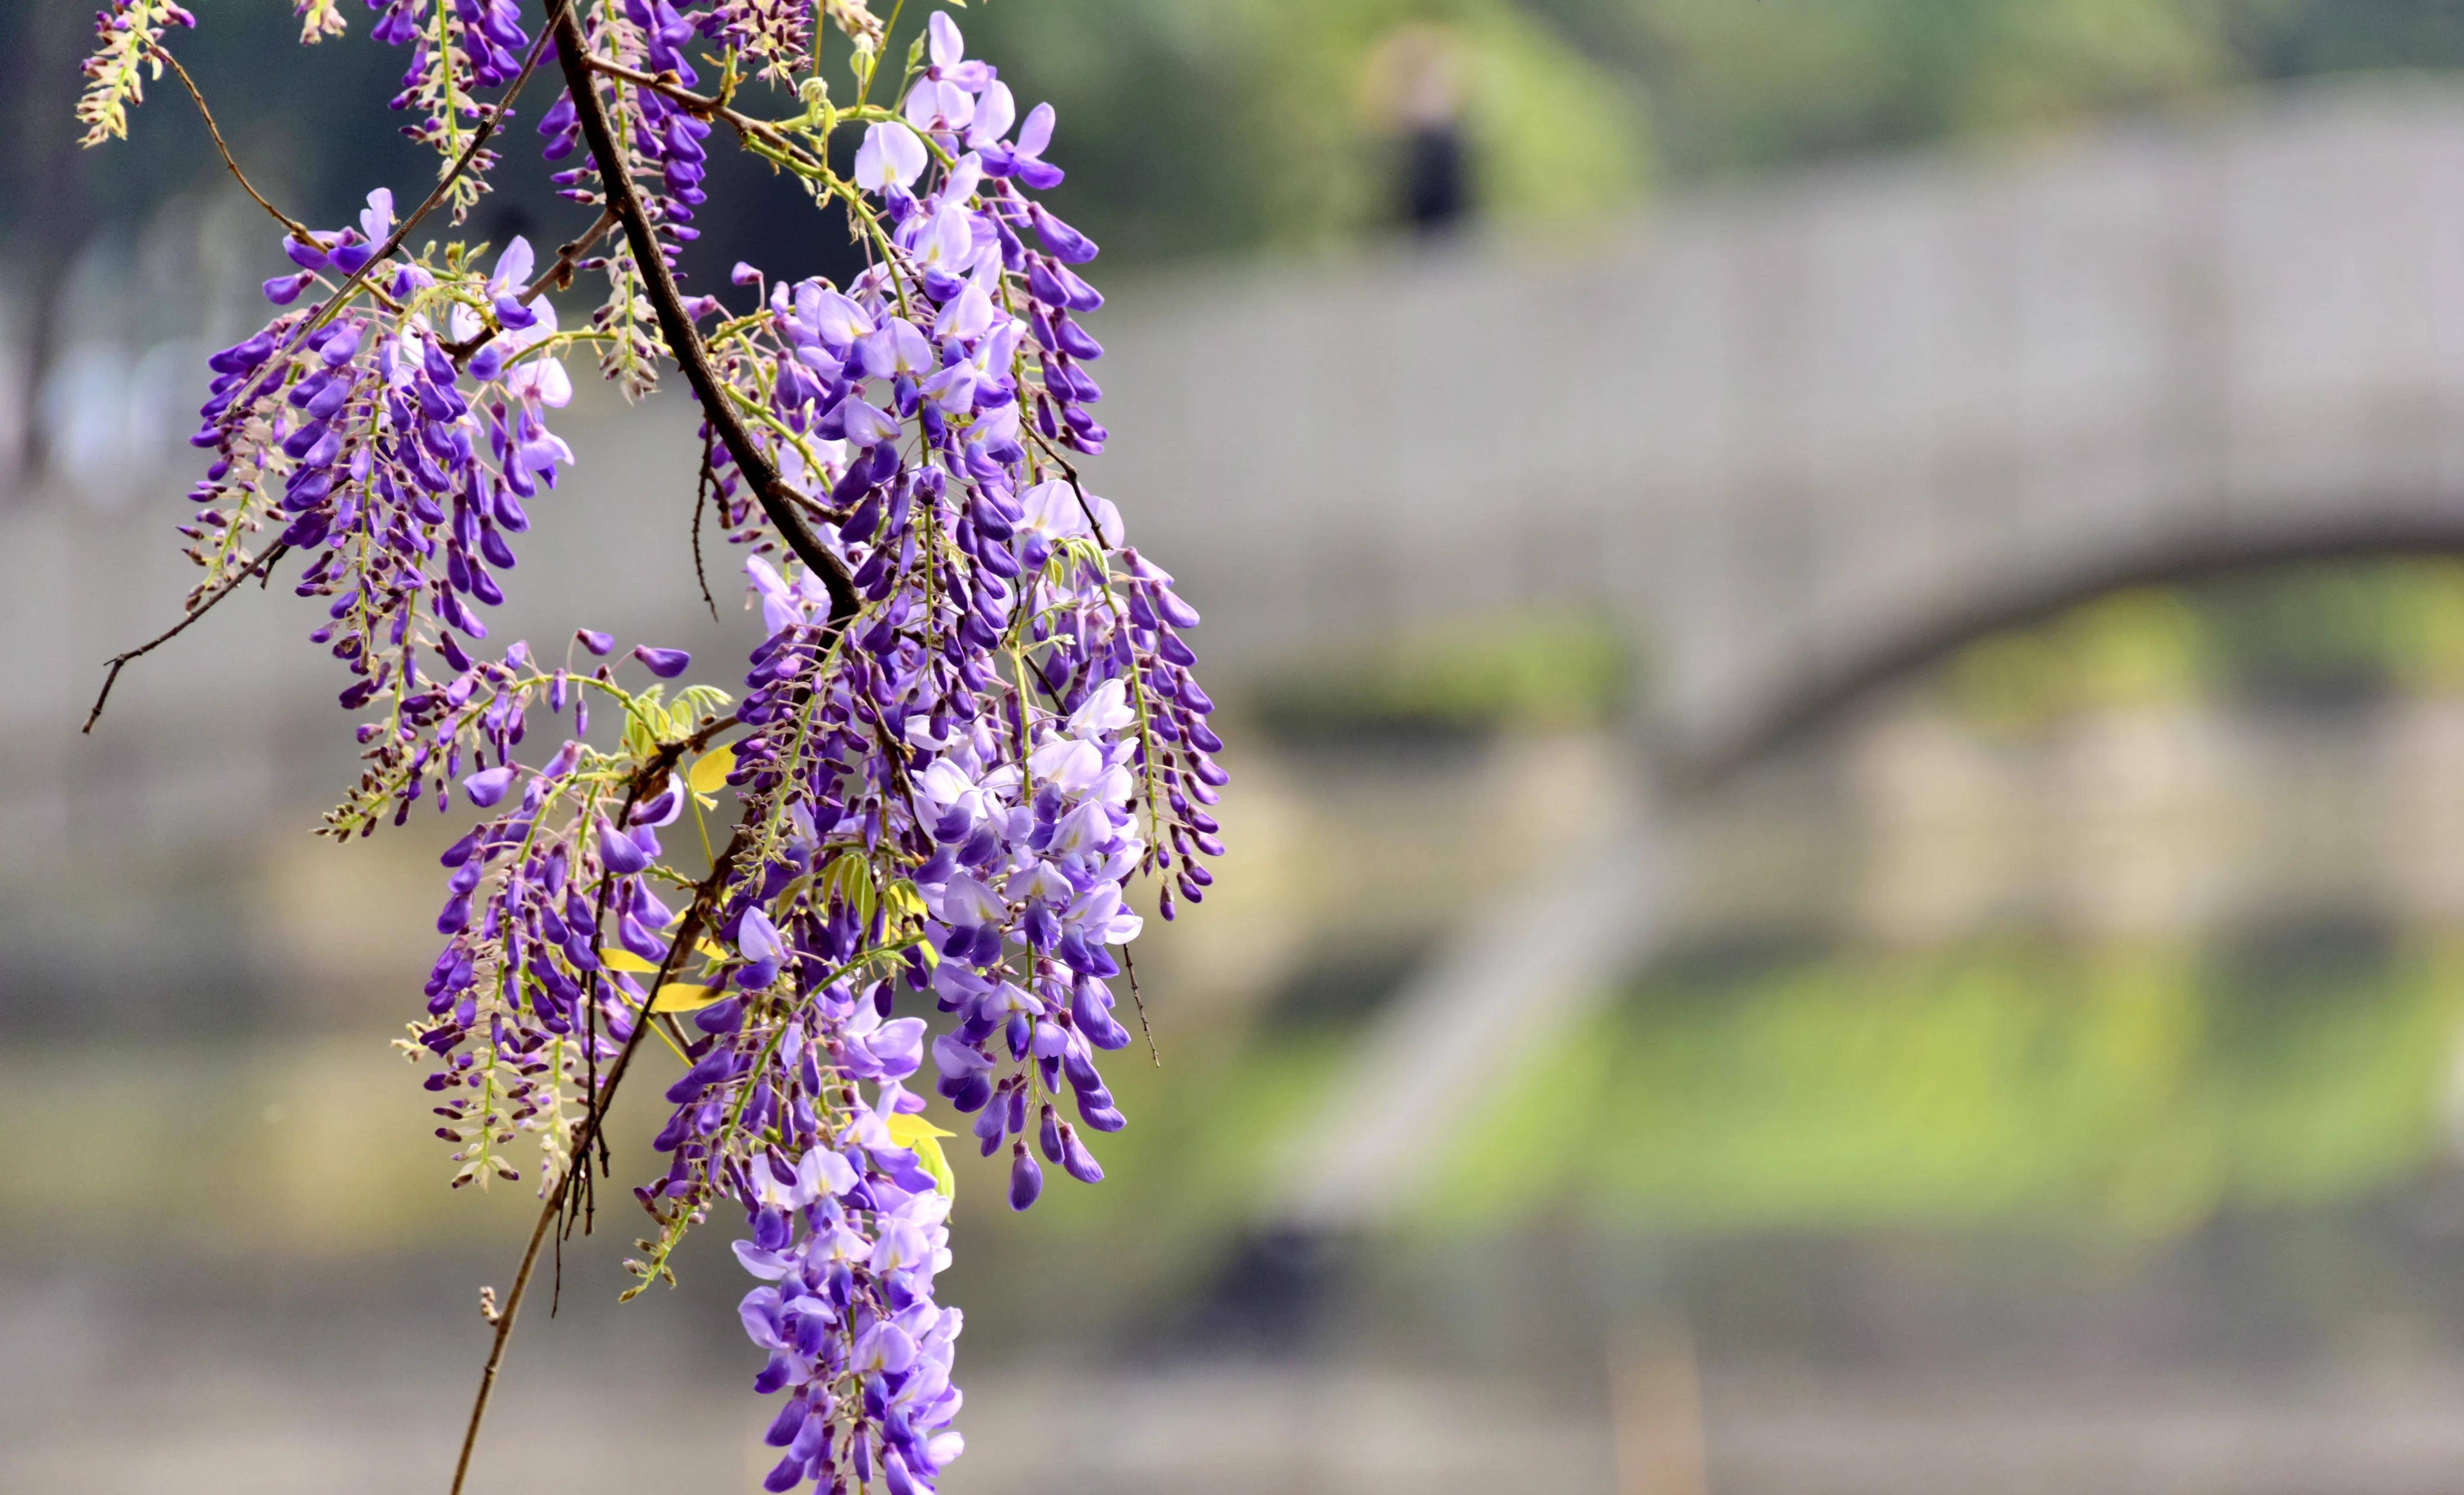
{"x": 621, "y": 959}
{"x": 904, "y": 900}
{"x": 710, "y": 774}
{"x": 924, "y": 1139}
{"x": 905, "y": 1128}
{"x": 685, "y": 996}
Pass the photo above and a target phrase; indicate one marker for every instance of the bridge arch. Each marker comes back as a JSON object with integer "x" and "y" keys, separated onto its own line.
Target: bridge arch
{"x": 1543, "y": 963}
{"x": 1802, "y": 706}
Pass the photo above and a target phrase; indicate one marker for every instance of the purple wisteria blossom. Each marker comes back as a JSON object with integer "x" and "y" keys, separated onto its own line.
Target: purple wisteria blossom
{"x": 966, "y": 732}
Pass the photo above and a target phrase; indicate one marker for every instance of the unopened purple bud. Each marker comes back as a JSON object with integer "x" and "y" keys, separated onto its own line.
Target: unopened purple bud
{"x": 665, "y": 663}
{"x": 284, "y": 289}
{"x": 618, "y": 851}
{"x": 640, "y": 941}
{"x": 489, "y": 785}
{"x": 790, "y": 1419}
{"x": 242, "y": 357}
{"x": 893, "y": 1470}
{"x": 1025, "y": 1176}
{"x": 1068, "y": 244}
{"x": 594, "y": 641}
{"x": 1075, "y": 1157}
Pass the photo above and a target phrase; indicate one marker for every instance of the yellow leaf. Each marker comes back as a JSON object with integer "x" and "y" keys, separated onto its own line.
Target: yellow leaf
{"x": 685, "y": 996}
{"x": 904, "y": 900}
{"x": 922, "y": 1138}
{"x": 621, "y": 959}
{"x": 905, "y": 1128}
{"x": 710, "y": 774}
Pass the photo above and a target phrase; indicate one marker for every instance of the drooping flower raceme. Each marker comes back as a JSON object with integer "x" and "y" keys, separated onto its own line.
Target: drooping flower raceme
{"x": 967, "y": 729}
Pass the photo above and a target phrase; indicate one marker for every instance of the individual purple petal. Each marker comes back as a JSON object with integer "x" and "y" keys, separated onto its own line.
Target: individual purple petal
{"x": 865, "y": 425}
{"x": 759, "y": 938}
{"x": 891, "y": 156}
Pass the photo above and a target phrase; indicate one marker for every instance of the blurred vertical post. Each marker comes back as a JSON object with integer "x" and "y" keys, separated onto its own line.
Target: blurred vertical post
{"x": 1412, "y": 86}
{"x": 1656, "y": 1410}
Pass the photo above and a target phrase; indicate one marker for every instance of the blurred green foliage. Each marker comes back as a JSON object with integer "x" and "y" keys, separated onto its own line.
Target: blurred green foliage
{"x": 1194, "y": 128}
{"x": 1740, "y": 86}
{"x": 1524, "y": 672}
{"x": 2116, "y": 1088}
{"x": 2340, "y": 630}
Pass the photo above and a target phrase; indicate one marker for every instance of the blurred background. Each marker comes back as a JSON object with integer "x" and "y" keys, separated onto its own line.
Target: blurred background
{"x": 1841, "y": 624}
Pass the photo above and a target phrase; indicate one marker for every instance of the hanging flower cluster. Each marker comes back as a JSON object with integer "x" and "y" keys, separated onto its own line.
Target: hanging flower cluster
{"x": 127, "y": 52}
{"x": 353, "y": 427}
{"x": 968, "y": 729}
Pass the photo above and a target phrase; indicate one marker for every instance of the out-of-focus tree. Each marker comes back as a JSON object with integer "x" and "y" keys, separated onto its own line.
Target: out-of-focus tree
{"x": 1738, "y": 87}
{"x": 1223, "y": 127}
{"x": 1257, "y": 125}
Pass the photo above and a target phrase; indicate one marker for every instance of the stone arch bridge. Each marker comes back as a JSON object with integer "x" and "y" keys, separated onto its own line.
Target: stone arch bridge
{"x": 1802, "y": 435}
{"x": 1803, "y": 439}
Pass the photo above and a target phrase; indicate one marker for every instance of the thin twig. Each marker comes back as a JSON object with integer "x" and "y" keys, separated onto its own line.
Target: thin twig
{"x": 594, "y": 1113}
{"x": 298, "y": 230}
{"x": 222, "y": 589}
{"x": 1132, "y": 967}
{"x": 479, "y": 139}
{"x": 684, "y": 343}
{"x": 556, "y": 276}
{"x": 703, "y": 105}
{"x": 645, "y": 779}
{"x": 1069, "y": 470}
{"x": 701, "y": 499}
